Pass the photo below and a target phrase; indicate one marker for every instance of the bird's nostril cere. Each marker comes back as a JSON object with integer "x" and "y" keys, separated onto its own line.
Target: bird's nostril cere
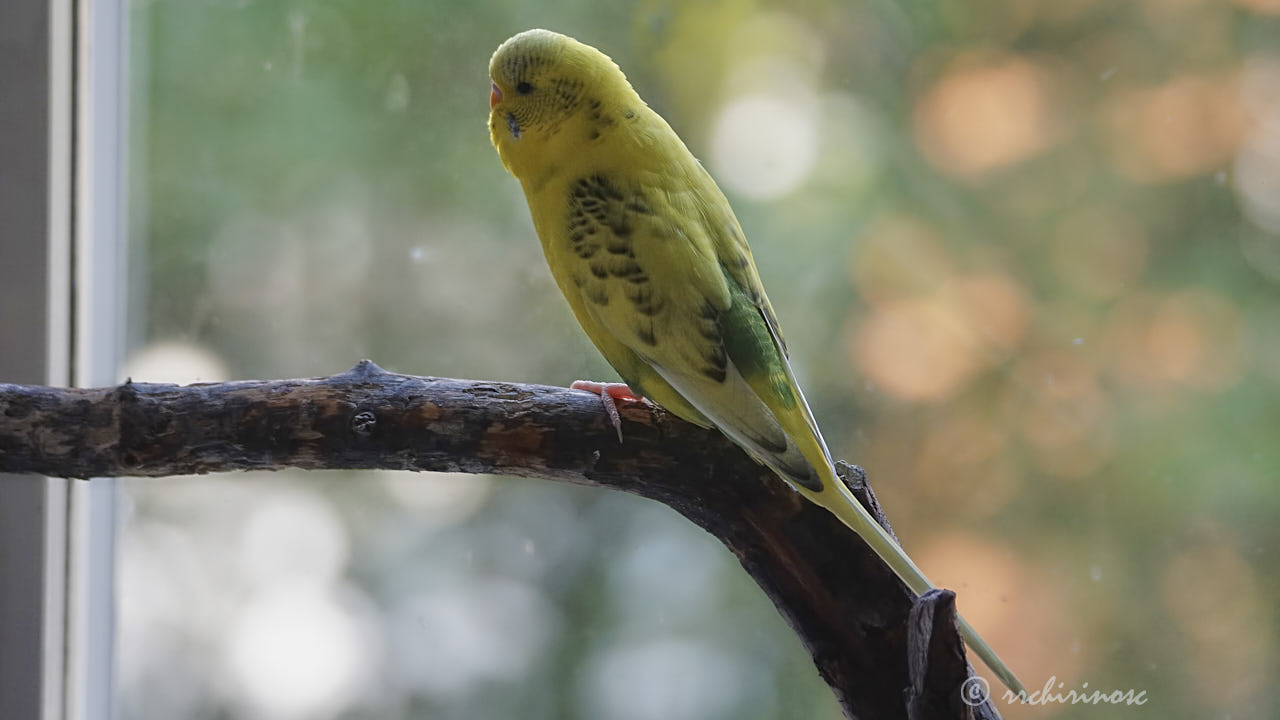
{"x": 495, "y": 95}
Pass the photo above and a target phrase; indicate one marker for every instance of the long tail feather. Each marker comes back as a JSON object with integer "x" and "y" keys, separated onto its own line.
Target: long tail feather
{"x": 856, "y": 518}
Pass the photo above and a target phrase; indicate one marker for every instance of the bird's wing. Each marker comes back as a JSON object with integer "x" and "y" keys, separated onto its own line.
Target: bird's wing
{"x": 653, "y": 269}
{"x": 735, "y": 256}
{"x": 739, "y": 265}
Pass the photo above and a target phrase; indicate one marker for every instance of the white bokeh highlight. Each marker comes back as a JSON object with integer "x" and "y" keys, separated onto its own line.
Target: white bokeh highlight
{"x": 764, "y": 146}
{"x": 663, "y": 678}
{"x": 302, "y": 651}
{"x": 174, "y": 361}
{"x": 293, "y": 535}
{"x": 1256, "y": 175}
{"x": 468, "y": 631}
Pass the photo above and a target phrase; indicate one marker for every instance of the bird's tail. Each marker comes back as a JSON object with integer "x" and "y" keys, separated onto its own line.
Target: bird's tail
{"x": 819, "y": 483}
{"x": 837, "y": 498}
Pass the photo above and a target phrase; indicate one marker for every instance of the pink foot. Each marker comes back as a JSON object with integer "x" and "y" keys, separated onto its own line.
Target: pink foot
{"x": 609, "y": 393}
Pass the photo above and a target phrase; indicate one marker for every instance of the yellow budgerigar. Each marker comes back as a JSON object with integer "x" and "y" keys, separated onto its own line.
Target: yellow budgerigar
{"x": 656, "y": 268}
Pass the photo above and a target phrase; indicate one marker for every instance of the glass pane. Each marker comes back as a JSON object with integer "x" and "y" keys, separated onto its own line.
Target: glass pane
{"x": 1025, "y": 257}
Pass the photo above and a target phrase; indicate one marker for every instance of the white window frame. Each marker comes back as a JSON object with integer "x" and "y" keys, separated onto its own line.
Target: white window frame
{"x": 57, "y": 563}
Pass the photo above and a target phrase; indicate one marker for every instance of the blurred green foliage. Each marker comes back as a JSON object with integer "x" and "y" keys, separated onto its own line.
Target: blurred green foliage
{"x": 1025, "y": 255}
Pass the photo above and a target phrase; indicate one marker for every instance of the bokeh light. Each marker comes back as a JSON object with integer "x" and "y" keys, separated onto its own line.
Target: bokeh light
{"x": 300, "y": 650}
{"x": 1231, "y": 659}
{"x": 663, "y": 678}
{"x": 174, "y": 361}
{"x": 925, "y": 348}
{"x": 1257, "y": 164}
{"x": 1019, "y": 607}
{"x": 982, "y": 115}
{"x": 765, "y": 146}
{"x": 462, "y": 634}
{"x": 1189, "y": 125}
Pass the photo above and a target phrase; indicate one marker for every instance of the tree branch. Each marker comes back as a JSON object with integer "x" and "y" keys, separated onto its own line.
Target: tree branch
{"x": 884, "y": 653}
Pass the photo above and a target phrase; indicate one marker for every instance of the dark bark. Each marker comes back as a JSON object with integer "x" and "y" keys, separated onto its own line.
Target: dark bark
{"x": 885, "y": 653}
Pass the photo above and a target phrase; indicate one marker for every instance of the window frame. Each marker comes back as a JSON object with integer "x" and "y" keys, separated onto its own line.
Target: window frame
{"x": 62, "y": 132}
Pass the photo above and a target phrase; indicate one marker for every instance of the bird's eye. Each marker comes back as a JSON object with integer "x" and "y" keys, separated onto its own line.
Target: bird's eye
{"x": 524, "y": 88}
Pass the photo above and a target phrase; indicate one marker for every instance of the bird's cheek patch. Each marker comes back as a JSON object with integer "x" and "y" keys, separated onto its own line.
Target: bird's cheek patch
{"x": 513, "y": 126}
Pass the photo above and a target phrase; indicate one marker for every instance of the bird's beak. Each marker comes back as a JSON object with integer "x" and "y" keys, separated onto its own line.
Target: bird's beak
{"x": 495, "y": 95}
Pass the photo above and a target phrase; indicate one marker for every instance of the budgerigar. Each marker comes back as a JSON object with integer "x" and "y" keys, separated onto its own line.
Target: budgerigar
{"x": 657, "y": 270}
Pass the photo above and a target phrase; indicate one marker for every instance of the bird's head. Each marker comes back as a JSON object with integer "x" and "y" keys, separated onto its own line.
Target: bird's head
{"x": 549, "y": 94}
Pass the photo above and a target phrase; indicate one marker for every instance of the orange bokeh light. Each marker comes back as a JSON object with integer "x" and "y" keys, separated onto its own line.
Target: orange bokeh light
{"x": 926, "y": 348}
{"x": 1065, "y": 401}
{"x": 976, "y": 119}
{"x": 1187, "y": 126}
{"x": 899, "y": 256}
{"x": 1194, "y": 340}
{"x": 1023, "y": 611}
{"x": 915, "y": 349}
{"x": 964, "y": 465}
{"x": 1213, "y": 597}
{"x": 1261, "y": 7}
{"x": 1190, "y": 338}
{"x": 1064, "y": 416}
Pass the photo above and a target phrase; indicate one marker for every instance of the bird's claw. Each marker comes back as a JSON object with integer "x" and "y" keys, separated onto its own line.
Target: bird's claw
{"x": 609, "y": 394}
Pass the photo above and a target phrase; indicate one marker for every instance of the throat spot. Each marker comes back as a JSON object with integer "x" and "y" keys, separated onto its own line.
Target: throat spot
{"x": 513, "y": 126}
